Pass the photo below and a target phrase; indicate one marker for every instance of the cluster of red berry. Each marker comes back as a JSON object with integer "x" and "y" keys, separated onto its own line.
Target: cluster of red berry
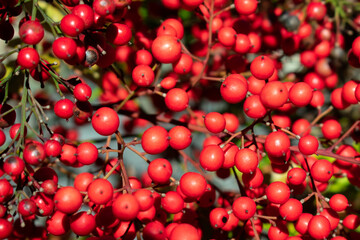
{"x": 282, "y": 124}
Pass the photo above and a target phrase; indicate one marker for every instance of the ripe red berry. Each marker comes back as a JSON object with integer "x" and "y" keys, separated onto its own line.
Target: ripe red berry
{"x": 218, "y": 217}
{"x": 253, "y": 107}
{"x": 331, "y": 129}
{"x": 211, "y": 158}
{"x": 87, "y": 153}
{"x": 58, "y": 224}
{"x": 31, "y": 32}
{"x": 296, "y": 176}
{"x": 262, "y": 67}
{"x": 82, "y": 92}
{"x": 86, "y": 13}
{"x": 104, "y": 7}
{"x": 143, "y": 75}
{"x": 82, "y": 223}
{"x": 308, "y": 145}
{"x": 192, "y": 184}
{"x": 180, "y": 137}
{"x": 177, "y": 100}
{"x": 13, "y": 166}
{"x": 100, "y": 191}
{"x": 322, "y": 170}
{"x": 319, "y": 227}
{"x": 72, "y": 25}
{"x": 155, "y": 140}
{"x": 105, "y": 121}
{"x": 166, "y": 49}
{"x": 274, "y": 95}
{"x": 338, "y": 202}
{"x": 291, "y": 210}
{"x": 277, "y": 144}
{"x": 118, "y": 34}
{"x": 64, "y": 108}
{"x": 234, "y": 88}
{"x": 28, "y": 58}
{"x": 278, "y": 192}
{"x": 300, "y": 94}
{"x": 227, "y": 36}
{"x": 34, "y": 153}
{"x": 246, "y": 160}
{"x": 64, "y": 48}
{"x": 184, "y": 231}
{"x": 245, "y": 7}
{"x": 125, "y": 207}
{"x": 214, "y": 122}
{"x": 68, "y": 200}
{"x": 172, "y": 202}
{"x": 160, "y": 170}
{"x": 244, "y": 208}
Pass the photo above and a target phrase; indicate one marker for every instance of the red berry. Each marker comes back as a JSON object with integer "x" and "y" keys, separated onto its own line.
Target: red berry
{"x": 274, "y": 95}
{"x": 180, "y": 137}
{"x": 28, "y": 58}
{"x": 192, "y": 184}
{"x": 245, "y": 7}
{"x": 64, "y": 108}
{"x": 308, "y": 145}
{"x": 143, "y": 75}
{"x": 64, "y": 48}
{"x": 118, "y": 34}
{"x": 244, "y": 208}
{"x": 177, "y": 100}
{"x": 155, "y": 140}
{"x": 72, "y": 25}
{"x": 214, "y": 122}
{"x": 82, "y": 92}
{"x": 246, "y": 160}
{"x": 319, "y": 227}
{"x": 31, "y": 32}
{"x": 105, "y": 121}
{"x": 125, "y": 207}
{"x": 278, "y": 192}
{"x": 100, "y": 191}
{"x": 211, "y": 158}
{"x": 68, "y": 200}
{"x": 166, "y": 49}
{"x": 160, "y": 170}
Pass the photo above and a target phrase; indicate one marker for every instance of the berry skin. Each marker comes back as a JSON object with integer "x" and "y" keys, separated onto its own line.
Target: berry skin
{"x": 105, "y": 121}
